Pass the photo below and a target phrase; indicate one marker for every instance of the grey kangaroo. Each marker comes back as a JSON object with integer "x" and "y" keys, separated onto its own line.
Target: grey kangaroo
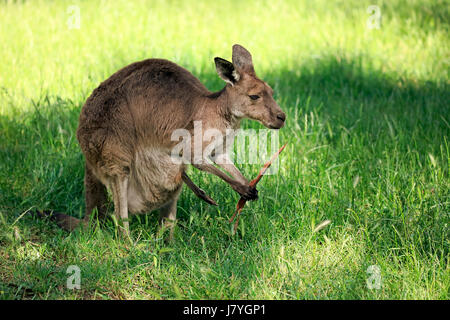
{"x": 125, "y": 130}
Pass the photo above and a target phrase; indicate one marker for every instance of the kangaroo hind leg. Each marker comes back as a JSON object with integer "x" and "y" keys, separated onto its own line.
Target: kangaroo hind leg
{"x": 168, "y": 216}
{"x": 96, "y": 196}
{"x": 119, "y": 188}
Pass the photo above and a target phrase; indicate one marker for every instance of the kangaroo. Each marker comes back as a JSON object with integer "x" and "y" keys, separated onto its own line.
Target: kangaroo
{"x": 125, "y": 130}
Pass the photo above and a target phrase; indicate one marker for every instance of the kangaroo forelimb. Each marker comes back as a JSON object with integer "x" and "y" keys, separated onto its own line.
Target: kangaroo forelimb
{"x": 197, "y": 191}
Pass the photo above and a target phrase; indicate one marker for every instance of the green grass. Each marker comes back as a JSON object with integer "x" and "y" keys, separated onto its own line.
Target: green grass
{"x": 368, "y": 132}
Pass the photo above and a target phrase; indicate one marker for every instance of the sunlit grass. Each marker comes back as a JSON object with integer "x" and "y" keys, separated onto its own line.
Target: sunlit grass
{"x": 367, "y": 132}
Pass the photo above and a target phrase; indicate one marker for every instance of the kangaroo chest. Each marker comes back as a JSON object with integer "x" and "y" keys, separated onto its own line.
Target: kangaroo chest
{"x": 154, "y": 180}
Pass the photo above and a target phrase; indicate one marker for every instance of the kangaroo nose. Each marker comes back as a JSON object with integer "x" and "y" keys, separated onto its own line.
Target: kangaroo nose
{"x": 281, "y": 116}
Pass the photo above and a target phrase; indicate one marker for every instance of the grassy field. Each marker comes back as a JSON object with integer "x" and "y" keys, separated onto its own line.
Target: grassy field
{"x": 368, "y": 122}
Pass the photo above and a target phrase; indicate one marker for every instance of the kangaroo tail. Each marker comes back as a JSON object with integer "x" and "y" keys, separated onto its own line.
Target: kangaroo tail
{"x": 64, "y": 221}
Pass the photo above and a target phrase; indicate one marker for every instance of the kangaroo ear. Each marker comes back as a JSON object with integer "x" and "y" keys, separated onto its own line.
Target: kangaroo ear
{"x": 242, "y": 59}
{"x": 226, "y": 71}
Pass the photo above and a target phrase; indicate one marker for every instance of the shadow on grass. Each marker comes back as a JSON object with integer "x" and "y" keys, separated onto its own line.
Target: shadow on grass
{"x": 364, "y": 115}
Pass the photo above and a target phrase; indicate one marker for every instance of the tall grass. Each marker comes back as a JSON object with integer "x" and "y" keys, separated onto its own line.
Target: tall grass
{"x": 367, "y": 127}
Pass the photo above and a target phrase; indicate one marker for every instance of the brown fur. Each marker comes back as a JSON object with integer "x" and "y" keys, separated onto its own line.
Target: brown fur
{"x": 126, "y": 124}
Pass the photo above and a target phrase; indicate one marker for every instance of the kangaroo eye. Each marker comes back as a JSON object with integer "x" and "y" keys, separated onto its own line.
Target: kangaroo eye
{"x": 254, "y": 97}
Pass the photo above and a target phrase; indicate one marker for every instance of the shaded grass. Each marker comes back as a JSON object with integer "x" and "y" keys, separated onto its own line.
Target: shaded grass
{"x": 368, "y": 150}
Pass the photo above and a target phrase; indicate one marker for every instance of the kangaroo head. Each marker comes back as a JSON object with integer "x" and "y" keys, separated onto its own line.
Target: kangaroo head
{"x": 250, "y": 97}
